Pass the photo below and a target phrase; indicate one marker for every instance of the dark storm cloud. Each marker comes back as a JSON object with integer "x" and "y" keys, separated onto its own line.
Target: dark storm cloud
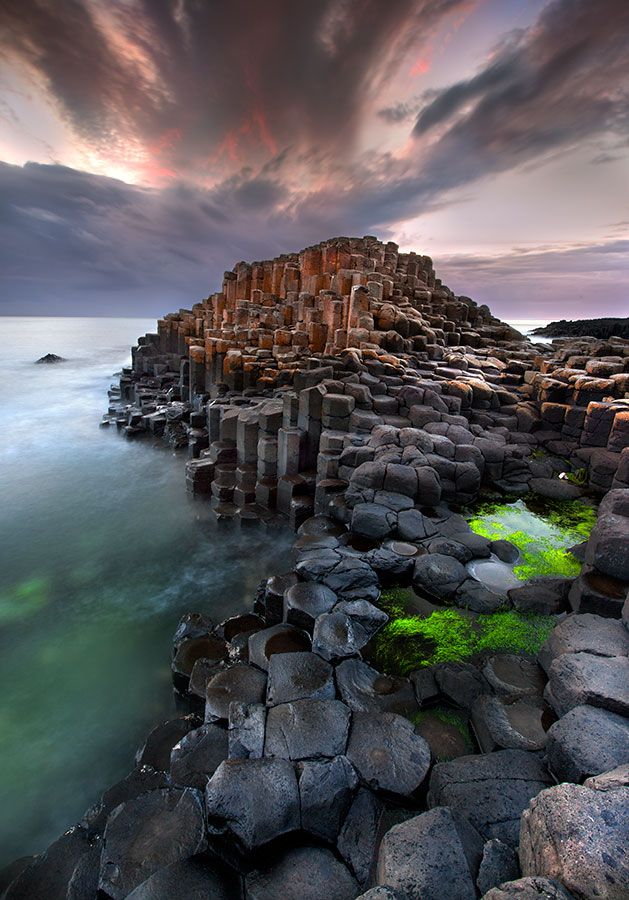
{"x": 199, "y": 83}
{"x": 563, "y": 80}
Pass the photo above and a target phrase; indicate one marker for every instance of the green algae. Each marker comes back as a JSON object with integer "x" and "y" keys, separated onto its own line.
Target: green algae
{"x": 542, "y": 532}
{"x": 410, "y": 642}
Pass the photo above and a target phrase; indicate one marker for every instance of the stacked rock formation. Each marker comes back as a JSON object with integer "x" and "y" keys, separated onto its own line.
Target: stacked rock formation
{"x": 346, "y": 391}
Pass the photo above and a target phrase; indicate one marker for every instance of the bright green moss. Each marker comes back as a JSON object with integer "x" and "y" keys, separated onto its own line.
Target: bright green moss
{"x": 541, "y": 532}
{"x": 412, "y": 642}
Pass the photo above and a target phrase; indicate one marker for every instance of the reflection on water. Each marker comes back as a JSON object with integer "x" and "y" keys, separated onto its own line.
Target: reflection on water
{"x": 101, "y": 553}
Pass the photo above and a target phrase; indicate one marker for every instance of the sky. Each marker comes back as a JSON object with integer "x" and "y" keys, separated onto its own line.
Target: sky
{"x": 148, "y": 145}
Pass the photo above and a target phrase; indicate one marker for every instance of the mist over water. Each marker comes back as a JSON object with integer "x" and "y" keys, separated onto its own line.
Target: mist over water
{"x": 101, "y": 553}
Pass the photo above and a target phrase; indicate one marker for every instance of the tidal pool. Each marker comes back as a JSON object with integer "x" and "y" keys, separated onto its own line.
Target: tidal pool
{"x": 101, "y": 554}
{"x": 542, "y": 530}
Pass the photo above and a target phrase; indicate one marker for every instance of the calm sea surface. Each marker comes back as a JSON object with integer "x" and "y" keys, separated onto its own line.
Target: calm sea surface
{"x": 101, "y": 552}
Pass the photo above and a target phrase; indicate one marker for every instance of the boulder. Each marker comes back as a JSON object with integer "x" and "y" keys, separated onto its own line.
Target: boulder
{"x": 514, "y": 723}
{"x": 531, "y": 888}
{"x": 412, "y": 525}
{"x": 432, "y": 856}
{"x": 307, "y": 729}
{"x": 282, "y": 638}
{"x": 438, "y": 575}
{"x": 51, "y": 873}
{"x": 299, "y": 676}
{"x": 490, "y": 790}
{"x": 155, "y": 752}
{"x": 365, "y": 689}
{"x": 246, "y": 730}
{"x": 373, "y": 521}
{"x": 585, "y": 633}
{"x": 190, "y": 879}
{"x": 140, "y": 781}
{"x": 545, "y": 595}
{"x": 360, "y": 833}
{"x": 578, "y": 836}
{"x": 388, "y": 753}
{"x": 609, "y": 781}
{"x": 241, "y": 683}
{"x": 499, "y": 864}
{"x": 460, "y": 683}
{"x": 575, "y": 679}
{"x": 326, "y": 787}
{"x": 304, "y": 601}
{"x": 197, "y": 756}
{"x": 149, "y": 832}
{"x": 303, "y": 873}
{"x": 587, "y": 741}
{"x": 253, "y": 801}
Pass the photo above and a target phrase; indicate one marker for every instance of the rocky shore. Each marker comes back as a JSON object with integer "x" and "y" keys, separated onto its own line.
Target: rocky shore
{"x": 598, "y": 328}
{"x": 400, "y": 714}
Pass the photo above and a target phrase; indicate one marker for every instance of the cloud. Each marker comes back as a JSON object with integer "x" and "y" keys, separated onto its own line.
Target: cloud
{"x": 193, "y": 88}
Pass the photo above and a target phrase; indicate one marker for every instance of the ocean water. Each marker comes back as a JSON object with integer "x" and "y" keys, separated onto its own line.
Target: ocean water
{"x": 101, "y": 552}
{"x": 526, "y": 326}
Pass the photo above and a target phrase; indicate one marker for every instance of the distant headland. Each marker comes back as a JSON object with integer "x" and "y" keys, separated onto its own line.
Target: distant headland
{"x": 597, "y": 328}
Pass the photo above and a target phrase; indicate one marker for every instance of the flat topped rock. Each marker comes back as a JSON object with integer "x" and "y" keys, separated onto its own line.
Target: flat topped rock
{"x": 253, "y": 801}
{"x": 190, "y": 879}
{"x": 307, "y": 729}
{"x": 299, "y": 676}
{"x": 241, "y": 683}
{"x": 575, "y": 679}
{"x": 490, "y": 790}
{"x": 534, "y": 887}
{"x": 304, "y": 873}
{"x": 436, "y": 854}
{"x": 511, "y": 675}
{"x": 147, "y": 833}
{"x": 364, "y": 688}
{"x": 585, "y": 633}
{"x": 197, "y": 756}
{"x": 387, "y": 752}
{"x": 587, "y": 741}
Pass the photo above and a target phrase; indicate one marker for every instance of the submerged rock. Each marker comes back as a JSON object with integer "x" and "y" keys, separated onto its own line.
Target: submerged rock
{"x": 50, "y": 358}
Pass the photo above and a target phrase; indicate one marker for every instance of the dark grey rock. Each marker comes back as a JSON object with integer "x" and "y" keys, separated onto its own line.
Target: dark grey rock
{"x": 575, "y": 679}
{"x": 341, "y": 634}
{"x": 241, "y": 683}
{"x": 578, "y": 836}
{"x": 490, "y": 790}
{"x": 425, "y": 685}
{"x": 50, "y": 874}
{"x": 299, "y": 676}
{"x": 325, "y": 793}
{"x": 517, "y": 723}
{"x": 472, "y": 594}
{"x": 197, "y": 756}
{"x": 392, "y": 567}
{"x": 511, "y": 675}
{"x": 50, "y": 358}
{"x": 190, "y": 879}
{"x": 156, "y": 750}
{"x": 253, "y": 801}
{"x": 277, "y": 639}
{"x": 530, "y": 888}
{"x": 461, "y": 683}
{"x": 365, "y": 689}
{"x": 140, "y": 781}
{"x": 588, "y": 634}
{"x": 382, "y": 892}
{"x": 304, "y": 601}
{"x": 499, "y": 864}
{"x": 372, "y": 520}
{"x": 412, "y": 525}
{"x": 388, "y": 753}
{"x": 246, "y": 730}
{"x": 608, "y": 545}
{"x": 587, "y": 741}
{"x": 359, "y": 835}
{"x": 307, "y": 729}
{"x": 438, "y": 575}
{"x": 545, "y": 595}
{"x": 147, "y": 833}
{"x": 304, "y": 873}
{"x": 505, "y": 551}
{"x": 367, "y": 617}
{"x": 432, "y": 856}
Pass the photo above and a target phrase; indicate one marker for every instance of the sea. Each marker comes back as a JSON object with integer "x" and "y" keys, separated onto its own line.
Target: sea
{"x": 101, "y": 553}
